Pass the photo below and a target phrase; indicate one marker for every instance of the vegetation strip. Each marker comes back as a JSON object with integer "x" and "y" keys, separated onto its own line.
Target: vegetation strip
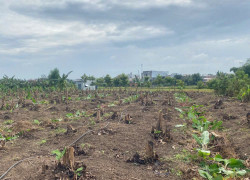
{"x": 213, "y": 168}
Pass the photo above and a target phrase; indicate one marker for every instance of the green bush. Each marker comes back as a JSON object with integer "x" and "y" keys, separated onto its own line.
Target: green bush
{"x": 233, "y": 85}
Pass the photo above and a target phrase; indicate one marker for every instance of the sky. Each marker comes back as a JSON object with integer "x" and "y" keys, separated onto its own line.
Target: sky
{"x": 100, "y": 37}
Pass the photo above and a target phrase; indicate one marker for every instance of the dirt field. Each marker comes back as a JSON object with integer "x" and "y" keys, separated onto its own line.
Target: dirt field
{"x": 113, "y": 138}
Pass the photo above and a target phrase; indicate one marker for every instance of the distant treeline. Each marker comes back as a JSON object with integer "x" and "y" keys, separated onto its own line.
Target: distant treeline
{"x": 234, "y": 85}
{"x": 53, "y": 82}
{"x": 122, "y": 80}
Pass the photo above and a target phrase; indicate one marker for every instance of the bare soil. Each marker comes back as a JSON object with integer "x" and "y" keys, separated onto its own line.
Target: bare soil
{"x": 111, "y": 141}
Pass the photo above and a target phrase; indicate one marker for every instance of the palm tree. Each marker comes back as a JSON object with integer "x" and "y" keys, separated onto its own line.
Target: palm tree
{"x": 62, "y": 82}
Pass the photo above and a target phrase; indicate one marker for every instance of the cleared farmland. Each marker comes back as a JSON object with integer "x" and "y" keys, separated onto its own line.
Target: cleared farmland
{"x": 122, "y": 134}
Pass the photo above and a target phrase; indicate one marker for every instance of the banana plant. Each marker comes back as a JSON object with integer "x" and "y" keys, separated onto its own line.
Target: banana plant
{"x": 203, "y": 141}
{"x": 62, "y": 82}
{"x": 244, "y": 94}
{"x": 223, "y": 169}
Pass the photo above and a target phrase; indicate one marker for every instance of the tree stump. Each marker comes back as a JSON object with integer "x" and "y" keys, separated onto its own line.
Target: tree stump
{"x": 98, "y": 115}
{"x": 159, "y": 123}
{"x": 128, "y": 119}
{"x": 150, "y": 150}
{"x": 69, "y": 158}
{"x": 70, "y": 130}
{"x": 167, "y": 135}
{"x": 2, "y": 144}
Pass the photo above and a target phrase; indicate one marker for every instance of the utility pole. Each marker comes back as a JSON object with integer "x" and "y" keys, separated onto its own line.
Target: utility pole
{"x": 141, "y": 70}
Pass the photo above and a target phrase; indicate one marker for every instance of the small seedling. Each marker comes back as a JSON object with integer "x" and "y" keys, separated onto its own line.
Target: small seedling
{"x": 83, "y": 145}
{"x": 8, "y": 122}
{"x": 60, "y": 130}
{"x": 157, "y": 132}
{"x": 77, "y": 172}
{"x": 43, "y": 141}
{"x": 56, "y": 120}
{"x": 69, "y": 115}
{"x": 59, "y": 154}
{"x": 92, "y": 122}
{"x": 37, "y": 122}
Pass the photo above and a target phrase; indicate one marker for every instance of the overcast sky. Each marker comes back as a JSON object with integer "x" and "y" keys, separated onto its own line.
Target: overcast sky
{"x": 99, "y": 37}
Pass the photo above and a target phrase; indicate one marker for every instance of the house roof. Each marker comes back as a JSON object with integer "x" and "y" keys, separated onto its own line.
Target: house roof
{"x": 78, "y": 80}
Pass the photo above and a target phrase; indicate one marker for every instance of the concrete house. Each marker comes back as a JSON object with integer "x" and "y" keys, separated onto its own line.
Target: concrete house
{"x": 84, "y": 86}
{"x": 153, "y": 74}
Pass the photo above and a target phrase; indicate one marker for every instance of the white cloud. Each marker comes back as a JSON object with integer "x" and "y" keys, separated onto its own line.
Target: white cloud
{"x": 200, "y": 56}
{"x": 150, "y": 32}
{"x": 149, "y": 3}
{"x": 100, "y": 4}
{"x": 34, "y": 35}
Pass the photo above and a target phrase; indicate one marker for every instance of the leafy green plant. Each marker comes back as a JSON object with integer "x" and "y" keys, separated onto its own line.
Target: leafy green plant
{"x": 8, "y": 122}
{"x": 107, "y": 114}
{"x": 222, "y": 169}
{"x": 43, "y": 141}
{"x": 92, "y": 122}
{"x": 77, "y": 115}
{"x": 130, "y": 99}
{"x": 37, "y": 122}
{"x": 8, "y": 138}
{"x": 182, "y": 113}
{"x": 181, "y": 97}
{"x": 180, "y": 125}
{"x": 34, "y": 101}
{"x": 157, "y": 132}
{"x": 59, "y": 154}
{"x": 244, "y": 94}
{"x": 56, "y": 120}
{"x": 43, "y": 102}
{"x": 69, "y": 115}
{"x": 90, "y": 96}
{"x": 199, "y": 121}
{"x": 112, "y": 104}
{"x": 60, "y": 130}
{"x": 185, "y": 156}
{"x": 77, "y": 172}
{"x": 203, "y": 141}
{"x": 216, "y": 125}
{"x": 83, "y": 145}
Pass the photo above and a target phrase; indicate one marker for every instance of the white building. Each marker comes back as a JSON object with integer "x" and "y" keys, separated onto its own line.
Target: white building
{"x": 84, "y": 86}
{"x": 153, "y": 74}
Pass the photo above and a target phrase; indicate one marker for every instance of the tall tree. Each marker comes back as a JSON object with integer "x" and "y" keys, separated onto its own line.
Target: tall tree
{"x": 124, "y": 80}
{"x": 246, "y": 67}
{"x": 121, "y": 80}
{"x": 169, "y": 81}
{"x": 54, "y": 77}
{"x": 178, "y": 76}
{"x": 196, "y": 78}
{"x": 137, "y": 81}
{"x": 158, "y": 81}
{"x": 117, "y": 82}
{"x": 100, "y": 82}
{"x": 108, "y": 80}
